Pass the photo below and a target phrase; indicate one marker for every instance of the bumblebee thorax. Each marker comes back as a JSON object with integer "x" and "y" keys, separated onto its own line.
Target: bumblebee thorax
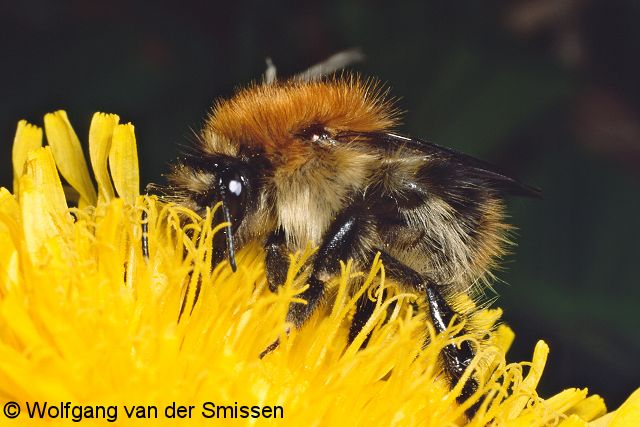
{"x": 271, "y": 116}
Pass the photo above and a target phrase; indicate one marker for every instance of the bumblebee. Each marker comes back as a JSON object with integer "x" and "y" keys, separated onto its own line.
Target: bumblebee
{"x": 315, "y": 158}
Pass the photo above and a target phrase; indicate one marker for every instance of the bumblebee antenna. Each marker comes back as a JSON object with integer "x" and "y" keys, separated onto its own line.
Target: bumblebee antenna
{"x": 228, "y": 231}
{"x": 270, "y": 73}
{"x": 333, "y": 63}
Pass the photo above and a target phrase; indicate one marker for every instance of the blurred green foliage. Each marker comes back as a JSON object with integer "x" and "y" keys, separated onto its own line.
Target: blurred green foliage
{"x": 495, "y": 79}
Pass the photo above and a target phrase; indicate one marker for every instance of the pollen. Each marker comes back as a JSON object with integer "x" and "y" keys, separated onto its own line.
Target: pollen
{"x": 87, "y": 321}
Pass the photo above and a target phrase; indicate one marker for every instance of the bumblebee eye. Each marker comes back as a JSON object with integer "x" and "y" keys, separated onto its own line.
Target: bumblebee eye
{"x": 313, "y": 133}
{"x": 233, "y": 188}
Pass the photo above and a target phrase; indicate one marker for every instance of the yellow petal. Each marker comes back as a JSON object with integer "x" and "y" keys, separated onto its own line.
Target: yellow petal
{"x": 8, "y": 204}
{"x": 566, "y": 399}
{"x": 41, "y": 168}
{"x": 504, "y": 337}
{"x": 123, "y": 163}
{"x": 67, "y": 151}
{"x": 543, "y": 413}
{"x": 602, "y": 421}
{"x": 628, "y": 414}
{"x": 28, "y": 138}
{"x": 100, "y": 135}
{"x": 42, "y": 201}
{"x": 589, "y": 409}
{"x": 9, "y": 263}
{"x": 573, "y": 421}
{"x": 528, "y": 386}
{"x": 9, "y": 235}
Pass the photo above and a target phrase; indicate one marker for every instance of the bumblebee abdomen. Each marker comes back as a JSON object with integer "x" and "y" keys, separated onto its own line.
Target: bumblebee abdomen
{"x": 436, "y": 219}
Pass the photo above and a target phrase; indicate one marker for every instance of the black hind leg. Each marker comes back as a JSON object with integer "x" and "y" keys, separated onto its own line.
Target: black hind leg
{"x": 456, "y": 359}
{"x": 364, "y": 310}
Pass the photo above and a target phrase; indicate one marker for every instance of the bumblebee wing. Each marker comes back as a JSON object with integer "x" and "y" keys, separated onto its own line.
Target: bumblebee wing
{"x": 474, "y": 168}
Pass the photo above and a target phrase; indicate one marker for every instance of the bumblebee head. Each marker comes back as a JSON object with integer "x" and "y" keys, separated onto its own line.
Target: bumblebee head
{"x": 202, "y": 180}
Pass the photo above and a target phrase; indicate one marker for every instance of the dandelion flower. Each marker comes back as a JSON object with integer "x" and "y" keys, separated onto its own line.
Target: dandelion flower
{"x": 102, "y": 335}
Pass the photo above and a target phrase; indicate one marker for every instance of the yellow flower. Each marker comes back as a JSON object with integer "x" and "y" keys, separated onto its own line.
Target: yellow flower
{"x": 104, "y": 336}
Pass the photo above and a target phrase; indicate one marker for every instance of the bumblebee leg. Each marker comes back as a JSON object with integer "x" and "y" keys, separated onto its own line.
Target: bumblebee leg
{"x": 145, "y": 226}
{"x": 364, "y": 310}
{"x": 276, "y": 260}
{"x": 277, "y": 265}
{"x": 344, "y": 239}
{"x": 456, "y": 360}
{"x": 145, "y": 235}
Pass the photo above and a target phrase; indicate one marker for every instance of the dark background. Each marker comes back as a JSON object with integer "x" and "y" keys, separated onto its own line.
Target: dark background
{"x": 547, "y": 89}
